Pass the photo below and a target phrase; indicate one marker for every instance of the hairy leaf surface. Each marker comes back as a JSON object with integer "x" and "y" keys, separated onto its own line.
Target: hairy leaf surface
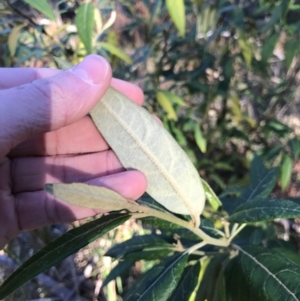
{"x": 266, "y": 210}
{"x": 90, "y": 196}
{"x": 268, "y": 275}
{"x": 158, "y": 283}
{"x": 141, "y": 143}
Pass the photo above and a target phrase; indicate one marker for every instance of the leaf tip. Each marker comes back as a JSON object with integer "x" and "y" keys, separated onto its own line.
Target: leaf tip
{"x": 49, "y": 188}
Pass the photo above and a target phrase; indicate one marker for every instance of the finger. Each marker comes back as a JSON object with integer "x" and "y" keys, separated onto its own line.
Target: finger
{"x": 38, "y": 209}
{"x": 31, "y": 174}
{"x": 49, "y": 104}
{"x": 79, "y": 137}
{"x": 13, "y": 77}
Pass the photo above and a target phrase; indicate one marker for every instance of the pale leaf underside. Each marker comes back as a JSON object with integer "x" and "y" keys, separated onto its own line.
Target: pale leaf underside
{"x": 141, "y": 143}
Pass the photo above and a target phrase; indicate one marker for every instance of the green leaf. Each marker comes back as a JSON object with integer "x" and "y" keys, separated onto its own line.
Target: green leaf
{"x": 44, "y": 7}
{"x": 59, "y": 249}
{"x": 269, "y": 46}
{"x": 286, "y": 171}
{"x": 200, "y": 140}
{"x": 117, "y": 52}
{"x": 84, "y": 21}
{"x": 138, "y": 243}
{"x": 275, "y": 18}
{"x": 187, "y": 284}
{"x": 208, "y": 283}
{"x": 159, "y": 282}
{"x": 176, "y": 9}
{"x": 13, "y": 39}
{"x": 266, "y": 210}
{"x": 294, "y": 145}
{"x": 291, "y": 48}
{"x": 211, "y": 196}
{"x": 262, "y": 183}
{"x": 163, "y": 98}
{"x": 245, "y": 46}
{"x": 152, "y": 253}
{"x": 265, "y": 275}
{"x": 120, "y": 269}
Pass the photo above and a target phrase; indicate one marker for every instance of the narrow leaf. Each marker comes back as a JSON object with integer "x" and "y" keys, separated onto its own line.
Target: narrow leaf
{"x": 142, "y": 143}
{"x": 286, "y": 172}
{"x": 262, "y": 183}
{"x": 84, "y": 21}
{"x": 120, "y": 269}
{"x": 200, "y": 140}
{"x": 159, "y": 282}
{"x": 294, "y": 145}
{"x": 164, "y": 101}
{"x": 138, "y": 243}
{"x": 266, "y": 210}
{"x": 44, "y": 7}
{"x": 211, "y": 196}
{"x": 187, "y": 283}
{"x": 176, "y": 9}
{"x": 117, "y": 52}
{"x": 59, "y": 249}
{"x": 269, "y": 275}
{"x": 245, "y": 47}
{"x": 269, "y": 46}
{"x": 93, "y": 197}
{"x": 13, "y": 39}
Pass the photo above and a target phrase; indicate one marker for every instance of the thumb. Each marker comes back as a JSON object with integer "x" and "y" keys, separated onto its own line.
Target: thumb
{"x": 51, "y": 103}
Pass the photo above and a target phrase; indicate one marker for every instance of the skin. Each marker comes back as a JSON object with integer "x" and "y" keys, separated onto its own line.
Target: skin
{"x": 47, "y": 137}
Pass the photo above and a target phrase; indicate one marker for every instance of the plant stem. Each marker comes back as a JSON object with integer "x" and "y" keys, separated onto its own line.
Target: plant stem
{"x": 238, "y": 230}
{"x": 175, "y": 220}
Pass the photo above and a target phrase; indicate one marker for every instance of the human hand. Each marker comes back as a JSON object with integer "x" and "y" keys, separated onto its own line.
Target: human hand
{"x": 47, "y": 137}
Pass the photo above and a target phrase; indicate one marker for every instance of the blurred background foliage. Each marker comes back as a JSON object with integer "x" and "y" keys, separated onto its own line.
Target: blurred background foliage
{"x": 222, "y": 75}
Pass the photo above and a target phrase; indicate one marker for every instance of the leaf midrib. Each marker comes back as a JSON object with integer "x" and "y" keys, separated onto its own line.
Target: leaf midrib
{"x": 149, "y": 154}
{"x": 269, "y": 273}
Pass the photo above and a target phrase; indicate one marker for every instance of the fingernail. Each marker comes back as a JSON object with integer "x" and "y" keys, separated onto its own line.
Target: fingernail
{"x": 93, "y": 69}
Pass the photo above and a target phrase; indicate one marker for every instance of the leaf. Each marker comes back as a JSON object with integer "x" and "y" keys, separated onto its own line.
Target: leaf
{"x": 265, "y": 275}
{"x": 138, "y": 243}
{"x": 269, "y": 46}
{"x": 265, "y": 210}
{"x": 159, "y": 282}
{"x": 187, "y": 284}
{"x": 84, "y": 21}
{"x": 142, "y": 143}
{"x": 93, "y": 197}
{"x": 208, "y": 282}
{"x": 120, "y": 269}
{"x": 200, "y": 140}
{"x": 294, "y": 145}
{"x": 44, "y": 7}
{"x": 149, "y": 254}
{"x": 286, "y": 171}
{"x": 245, "y": 46}
{"x": 59, "y": 249}
{"x": 176, "y": 9}
{"x": 61, "y": 63}
{"x": 117, "y": 52}
{"x": 13, "y": 39}
{"x": 291, "y": 48}
{"x": 164, "y": 100}
{"x": 211, "y": 196}
{"x": 262, "y": 183}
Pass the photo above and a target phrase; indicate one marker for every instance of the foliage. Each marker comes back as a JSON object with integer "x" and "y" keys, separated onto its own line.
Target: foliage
{"x": 217, "y": 73}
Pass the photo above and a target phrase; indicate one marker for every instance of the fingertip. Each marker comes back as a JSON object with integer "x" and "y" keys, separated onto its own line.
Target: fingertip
{"x": 130, "y": 184}
{"x": 132, "y": 91}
